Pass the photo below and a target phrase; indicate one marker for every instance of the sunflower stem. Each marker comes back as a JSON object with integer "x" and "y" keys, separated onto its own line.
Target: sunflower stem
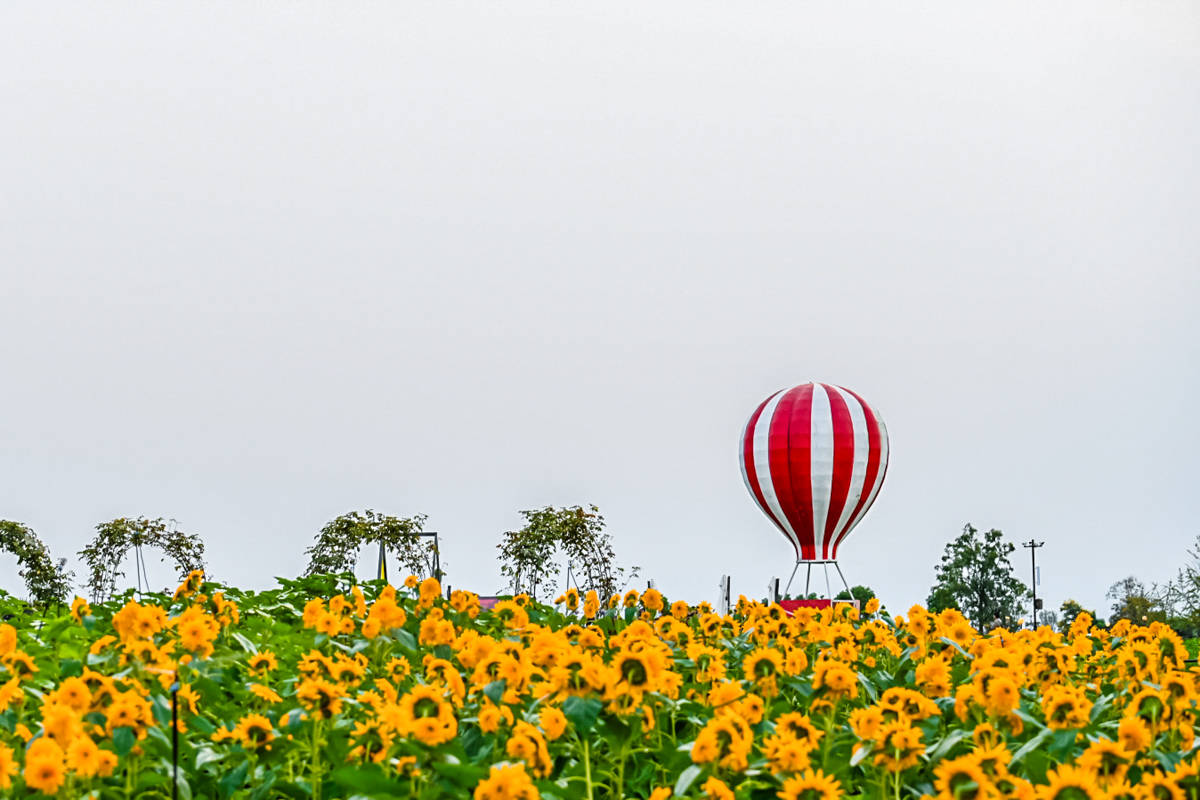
{"x": 316, "y": 759}
{"x": 621, "y": 773}
{"x": 587, "y": 767}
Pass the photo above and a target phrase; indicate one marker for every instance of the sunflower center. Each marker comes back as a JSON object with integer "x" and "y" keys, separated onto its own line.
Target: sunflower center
{"x": 425, "y": 707}
{"x": 634, "y": 672}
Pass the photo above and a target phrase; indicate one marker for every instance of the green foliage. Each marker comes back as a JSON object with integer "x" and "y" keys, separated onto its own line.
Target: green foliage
{"x": 338, "y": 543}
{"x": 1183, "y": 594}
{"x": 114, "y": 540}
{"x": 1134, "y": 602}
{"x": 604, "y": 751}
{"x": 976, "y": 577}
{"x": 860, "y": 593}
{"x": 528, "y": 556}
{"x": 47, "y": 582}
{"x": 1069, "y": 610}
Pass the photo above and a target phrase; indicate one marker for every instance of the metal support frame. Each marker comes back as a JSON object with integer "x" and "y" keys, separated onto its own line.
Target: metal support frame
{"x": 570, "y": 579}
{"x": 139, "y": 565}
{"x": 808, "y": 576}
{"x": 437, "y": 556}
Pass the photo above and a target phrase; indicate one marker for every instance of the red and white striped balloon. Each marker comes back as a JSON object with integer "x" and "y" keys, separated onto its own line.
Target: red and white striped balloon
{"x": 814, "y": 457}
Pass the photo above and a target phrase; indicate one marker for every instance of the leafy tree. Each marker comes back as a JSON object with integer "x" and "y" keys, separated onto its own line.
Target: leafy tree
{"x": 976, "y": 577}
{"x": 1184, "y": 595}
{"x": 47, "y": 582}
{"x": 528, "y": 557}
{"x": 1069, "y": 610}
{"x": 338, "y": 543}
{"x": 1134, "y": 602}
{"x": 860, "y": 593}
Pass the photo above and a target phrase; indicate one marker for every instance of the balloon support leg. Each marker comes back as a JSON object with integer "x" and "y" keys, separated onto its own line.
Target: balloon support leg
{"x": 808, "y": 565}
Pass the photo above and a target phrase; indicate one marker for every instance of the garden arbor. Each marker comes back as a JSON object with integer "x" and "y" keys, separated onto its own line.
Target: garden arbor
{"x": 527, "y": 556}
{"x": 47, "y": 582}
{"x": 338, "y": 543}
{"x": 115, "y": 539}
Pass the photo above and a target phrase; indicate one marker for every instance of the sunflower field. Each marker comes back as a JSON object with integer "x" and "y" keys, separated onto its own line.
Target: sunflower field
{"x": 321, "y": 688}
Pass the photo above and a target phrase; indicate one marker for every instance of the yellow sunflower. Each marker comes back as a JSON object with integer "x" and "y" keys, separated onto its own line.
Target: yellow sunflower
{"x": 1071, "y": 783}
{"x": 427, "y": 716}
{"x": 900, "y": 746}
{"x": 963, "y": 779}
{"x": 506, "y": 782}
{"x": 44, "y": 768}
{"x": 814, "y": 785}
{"x": 254, "y": 731}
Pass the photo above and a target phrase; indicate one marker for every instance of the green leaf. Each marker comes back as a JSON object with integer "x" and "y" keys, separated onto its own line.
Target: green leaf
{"x": 686, "y": 779}
{"x": 868, "y": 687}
{"x": 956, "y": 646}
{"x": 292, "y": 790}
{"x": 206, "y": 755}
{"x": 466, "y": 776}
{"x": 161, "y": 709}
{"x": 1036, "y": 766}
{"x": 233, "y": 780}
{"x": 495, "y": 690}
{"x": 582, "y": 712}
{"x": 185, "y": 789}
{"x": 1099, "y": 706}
{"x": 1031, "y": 746}
{"x": 124, "y": 740}
{"x": 944, "y": 746}
{"x": 70, "y": 667}
{"x": 264, "y": 787}
{"x": 406, "y": 640}
{"x": 1061, "y": 743}
{"x": 161, "y": 736}
{"x": 246, "y": 644}
{"x": 367, "y": 778}
{"x": 471, "y": 740}
{"x": 202, "y": 725}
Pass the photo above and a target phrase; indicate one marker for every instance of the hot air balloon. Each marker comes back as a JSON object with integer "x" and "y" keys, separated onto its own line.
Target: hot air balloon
{"x": 814, "y": 457}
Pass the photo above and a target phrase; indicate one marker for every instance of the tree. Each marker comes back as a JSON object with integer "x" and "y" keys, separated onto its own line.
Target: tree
{"x": 47, "y": 582}
{"x": 338, "y": 543}
{"x": 1134, "y": 602}
{"x": 976, "y": 577}
{"x": 1069, "y": 610}
{"x": 860, "y": 593}
{"x": 1184, "y": 595}
{"x": 528, "y": 556}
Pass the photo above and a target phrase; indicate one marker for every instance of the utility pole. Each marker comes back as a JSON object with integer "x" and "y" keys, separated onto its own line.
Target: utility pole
{"x": 1033, "y": 546}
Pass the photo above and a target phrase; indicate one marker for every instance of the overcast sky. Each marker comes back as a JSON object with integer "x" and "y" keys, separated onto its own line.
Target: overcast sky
{"x": 266, "y": 263}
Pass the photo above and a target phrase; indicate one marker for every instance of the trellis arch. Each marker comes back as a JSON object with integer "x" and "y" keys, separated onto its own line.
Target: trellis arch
{"x": 338, "y": 543}
{"x": 47, "y": 582}
{"x": 114, "y": 540}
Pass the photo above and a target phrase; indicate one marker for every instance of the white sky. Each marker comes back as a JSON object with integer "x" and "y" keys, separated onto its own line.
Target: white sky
{"x": 265, "y": 263}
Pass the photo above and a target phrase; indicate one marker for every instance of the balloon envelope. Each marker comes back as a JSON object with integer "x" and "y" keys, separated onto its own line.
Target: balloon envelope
{"x": 814, "y": 457}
